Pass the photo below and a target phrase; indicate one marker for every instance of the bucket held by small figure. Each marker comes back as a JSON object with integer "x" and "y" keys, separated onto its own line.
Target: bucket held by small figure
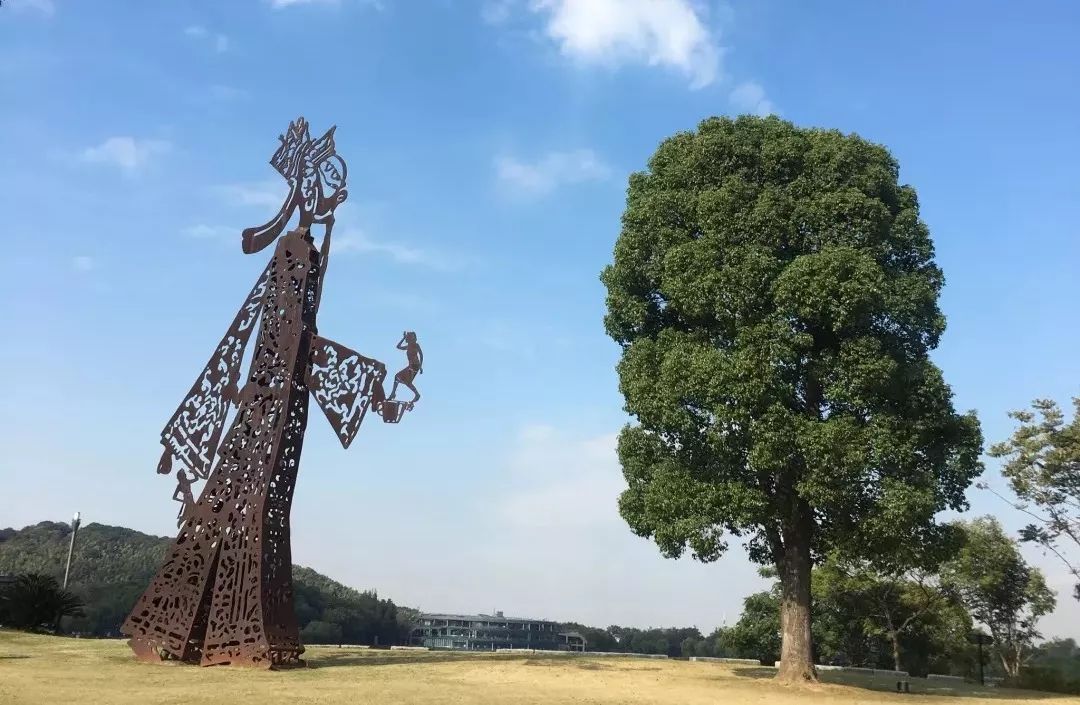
{"x": 392, "y": 410}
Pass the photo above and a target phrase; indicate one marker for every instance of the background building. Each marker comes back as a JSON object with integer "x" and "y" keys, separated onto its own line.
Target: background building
{"x": 484, "y": 632}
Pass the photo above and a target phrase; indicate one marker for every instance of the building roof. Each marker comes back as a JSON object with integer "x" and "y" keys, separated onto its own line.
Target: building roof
{"x": 482, "y": 618}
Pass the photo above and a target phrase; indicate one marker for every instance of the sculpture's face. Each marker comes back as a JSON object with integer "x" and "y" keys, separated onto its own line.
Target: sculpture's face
{"x": 316, "y": 177}
{"x": 332, "y": 174}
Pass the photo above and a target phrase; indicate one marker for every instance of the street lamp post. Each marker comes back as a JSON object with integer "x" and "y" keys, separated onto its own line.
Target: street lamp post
{"x": 980, "y": 638}
{"x": 67, "y": 566}
{"x": 71, "y": 547}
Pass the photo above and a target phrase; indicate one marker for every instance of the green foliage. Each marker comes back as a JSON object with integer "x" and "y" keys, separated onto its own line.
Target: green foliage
{"x": 775, "y": 296}
{"x": 316, "y": 632}
{"x": 596, "y": 639}
{"x": 865, "y": 611}
{"x": 1000, "y": 590}
{"x": 363, "y": 618}
{"x": 757, "y": 633}
{"x": 673, "y": 641}
{"x": 1042, "y": 464}
{"x": 34, "y": 601}
{"x": 110, "y": 568}
{"x": 113, "y": 565}
{"x": 1054, "y": 666}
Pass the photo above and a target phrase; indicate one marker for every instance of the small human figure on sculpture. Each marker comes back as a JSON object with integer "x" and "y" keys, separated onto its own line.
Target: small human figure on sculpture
{"x": 415, "y": 367}
{"x": 183, "y": 495}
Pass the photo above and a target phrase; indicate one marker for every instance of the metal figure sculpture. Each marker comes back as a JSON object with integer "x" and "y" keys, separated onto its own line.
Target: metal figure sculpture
{"x": 224, "y": 594}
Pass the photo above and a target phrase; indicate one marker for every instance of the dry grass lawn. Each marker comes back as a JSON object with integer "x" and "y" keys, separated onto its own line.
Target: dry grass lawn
{"x": 37, "y": 669}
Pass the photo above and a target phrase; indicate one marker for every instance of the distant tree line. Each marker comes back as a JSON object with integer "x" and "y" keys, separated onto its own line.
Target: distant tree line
{"x": 113, "y": 565}
{"x": 878, "y": 615}
{"x": 891, "y": 616}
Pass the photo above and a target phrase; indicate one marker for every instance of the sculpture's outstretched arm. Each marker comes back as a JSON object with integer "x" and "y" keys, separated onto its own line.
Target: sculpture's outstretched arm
{"x": 255, "y": 239}
{"x": 193, "y": 432}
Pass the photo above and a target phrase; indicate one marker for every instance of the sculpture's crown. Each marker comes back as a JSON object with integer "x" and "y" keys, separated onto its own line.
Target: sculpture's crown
{"x": 295, "y": 144}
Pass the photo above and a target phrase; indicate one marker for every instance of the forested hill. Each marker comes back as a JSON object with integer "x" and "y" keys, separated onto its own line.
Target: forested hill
{"x": 112, "y": 565}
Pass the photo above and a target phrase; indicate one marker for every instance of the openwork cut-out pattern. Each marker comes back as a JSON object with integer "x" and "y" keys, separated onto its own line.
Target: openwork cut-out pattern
{"x": 224, "y": 594}
{"x": 345, "y": 384}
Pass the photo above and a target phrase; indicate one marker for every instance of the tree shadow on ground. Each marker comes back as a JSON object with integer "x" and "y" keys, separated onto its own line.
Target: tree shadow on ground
{"x": 919, "y": 686}
{"x": 353, "y": 658}
{"x": 367, "y": 658}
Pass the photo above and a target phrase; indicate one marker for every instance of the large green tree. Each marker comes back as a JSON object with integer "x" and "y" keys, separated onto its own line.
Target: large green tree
{"x": 775, "y": 295}
{"x": 1042, "y": 464}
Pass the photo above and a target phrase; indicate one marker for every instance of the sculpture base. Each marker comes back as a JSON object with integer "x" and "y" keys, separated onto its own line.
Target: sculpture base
{"x": 150, "y": 652}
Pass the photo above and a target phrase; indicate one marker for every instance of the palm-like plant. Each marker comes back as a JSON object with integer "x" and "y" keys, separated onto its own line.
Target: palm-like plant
{"x": 34, "y": 601}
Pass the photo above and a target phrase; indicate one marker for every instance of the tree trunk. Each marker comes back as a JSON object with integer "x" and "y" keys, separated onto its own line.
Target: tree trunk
{"x": 796, "y": 649}
{"x": 894, "y": 637}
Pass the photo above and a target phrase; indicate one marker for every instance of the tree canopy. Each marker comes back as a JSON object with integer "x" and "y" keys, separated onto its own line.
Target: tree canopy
{"x": 1000, "y": 590}
{"x": 1042, "y": 465}
{"x": 774, "y": 292}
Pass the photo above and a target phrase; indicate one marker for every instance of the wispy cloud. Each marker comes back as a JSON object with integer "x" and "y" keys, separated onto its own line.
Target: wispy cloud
{"x": 749, "y": 97}
{"x": 548, "y": 469}
{"x": 83, "y": 263}
{"x": 46, "y": 8}
{"x": 128, "y": 153}
{"x": 218, "y": 41}
{"x": 496, "y": 12}
{"x": 265, "y": 194}
{"x": 670, "y": 33}
{"x": 359, "y": 241}
{"x": 202, "y": 231}
{"x": 281, "y": 4}
{"x": 545, "y": 174}
{"x": 222, "y": 92}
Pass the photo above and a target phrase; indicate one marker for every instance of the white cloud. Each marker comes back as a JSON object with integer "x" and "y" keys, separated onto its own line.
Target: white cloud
{"x": 550, "y": 171}
{"x": 357, "y": 240}
{"x": 44, "y": 7}
{"x": 128, "y": 153}
{"x": 265, "y": 194}
{"x": 668, "y": 33}
{"x": 580, "y": 477}
{"x": 82, "y": 263}
{"x": 496, "y": 12}
{"x": 198, "y": 32}
{"x": 555, "y": 514}
{"x": 749, "y": 97}
{"x": 212, "y": 232}
{"x": 280, "y": 4}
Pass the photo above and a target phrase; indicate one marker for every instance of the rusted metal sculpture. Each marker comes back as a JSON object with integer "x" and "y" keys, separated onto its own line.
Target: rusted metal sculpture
{"x": 225, "y": 594}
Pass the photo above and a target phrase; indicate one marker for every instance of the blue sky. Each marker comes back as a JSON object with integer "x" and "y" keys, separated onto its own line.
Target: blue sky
{"x": 488, "y": 146}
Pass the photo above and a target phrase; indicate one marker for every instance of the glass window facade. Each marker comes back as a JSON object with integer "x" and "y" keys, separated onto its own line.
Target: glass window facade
{"x": 490, "y": 632}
